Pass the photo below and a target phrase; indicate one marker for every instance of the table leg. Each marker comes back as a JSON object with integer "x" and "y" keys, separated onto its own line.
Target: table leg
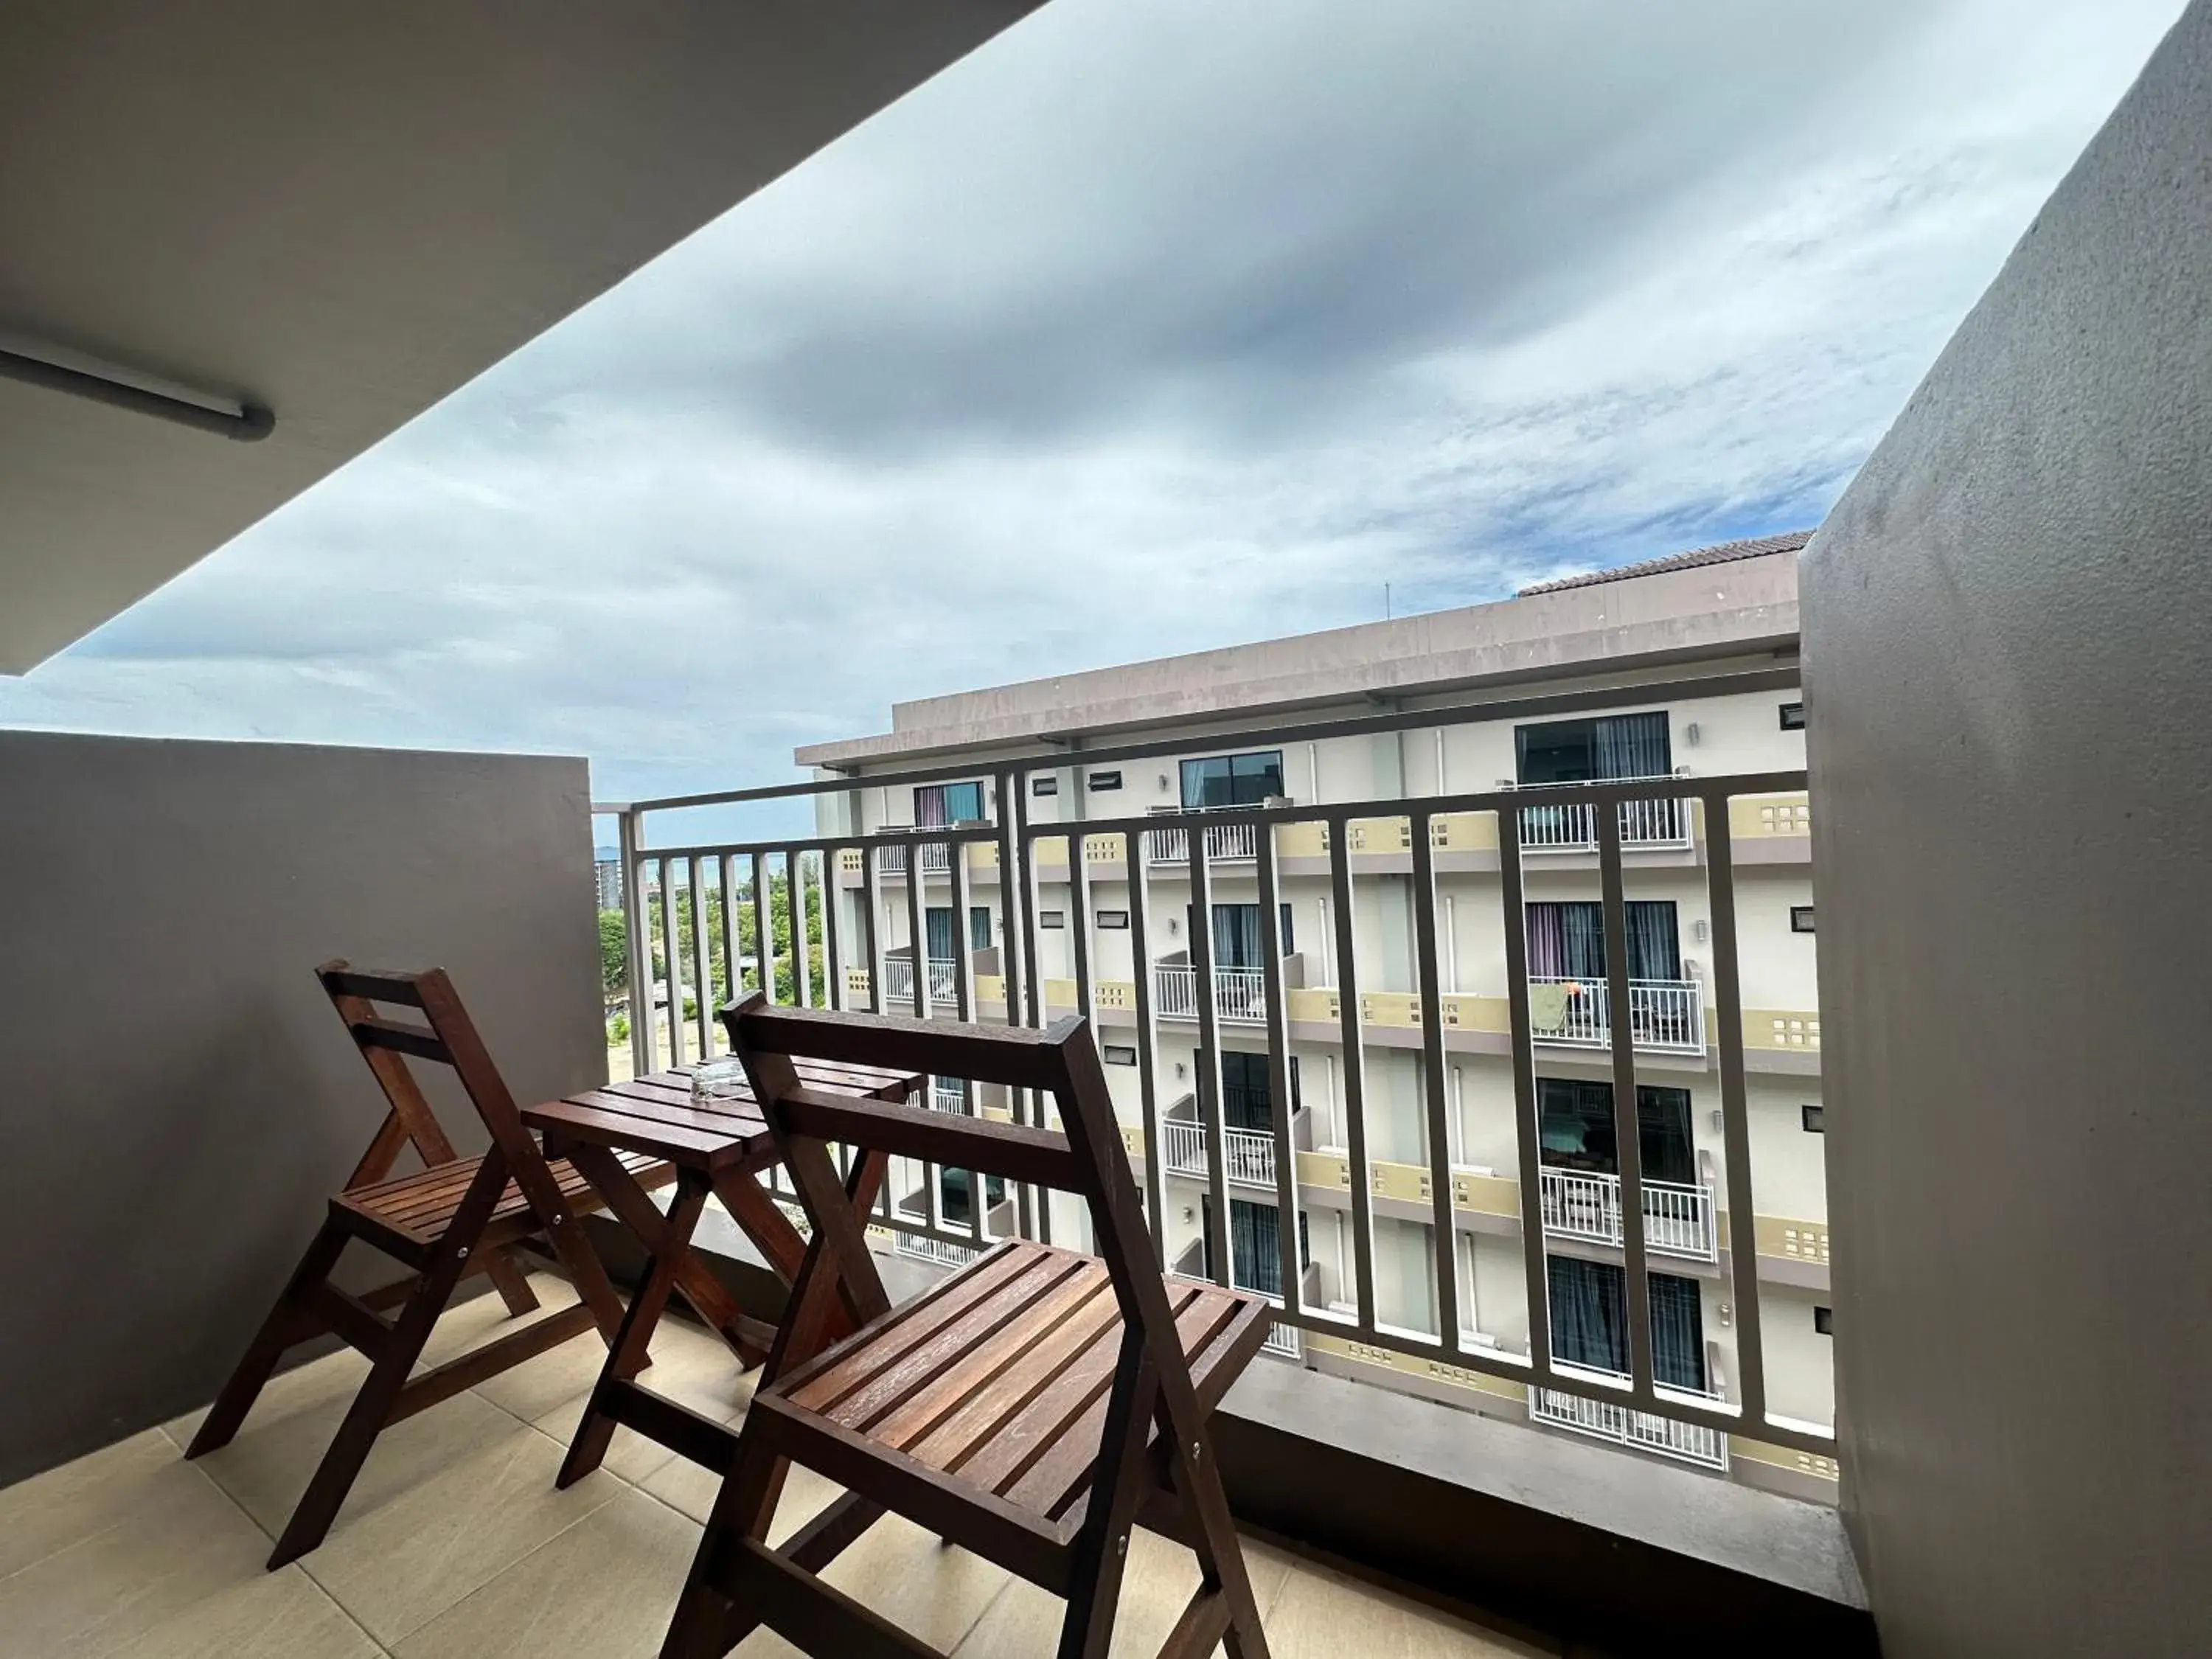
{"x": 670, "y": 1243}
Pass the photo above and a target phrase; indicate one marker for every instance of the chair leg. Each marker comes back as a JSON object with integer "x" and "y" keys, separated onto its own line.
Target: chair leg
{"x": 372, "y": 1407}
{"x": 285, "y": 1326}
{"x": 707, "y": 1623}
{"x": 512, "y": 1285}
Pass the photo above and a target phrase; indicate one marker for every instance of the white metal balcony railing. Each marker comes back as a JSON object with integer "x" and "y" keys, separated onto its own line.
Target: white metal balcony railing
{"x": 1572, "y": 828}
{"x": 936, "y": 857}
{"x": 1282, "y": 1340}
{"x": 948, "y": 1096}
{"x": 1239, "y": 993}
{"x": 1678, "y": 1224}
{"x": 1249, "y": 1154}
{"x": 1662, "y": 1013}
{"x": 898, "y": 981}
{"x": 920, "y": 1247}
{"x": 1678, "y": 1219}
{"x": 1223, "y": 840}
{"x": 1690, "y": 1442}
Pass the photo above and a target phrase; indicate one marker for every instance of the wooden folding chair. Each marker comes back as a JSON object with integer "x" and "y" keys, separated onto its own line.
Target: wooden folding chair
{"x": 458, "y": 1216}
{"x": 1012, "y": 1409}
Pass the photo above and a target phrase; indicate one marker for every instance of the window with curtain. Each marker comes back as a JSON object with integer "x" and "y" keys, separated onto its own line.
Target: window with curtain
{"x": 1246, "y": 1090}
{"x": 1236, "y": 936}
{"x": 1589, "y": 1321}
{"x": 979, "y": 926}
{"x": 1576, "y": 1129}
{"x": 936, "y": 803}
{"x": 952, "y": 1194}
{"x": 1255, "y": 1246}
{"x": 1591, "y": 750}
{"x": 1232, "y": 780}
{"x": 1566, "y": 939}
{"x": 937, "y": 922}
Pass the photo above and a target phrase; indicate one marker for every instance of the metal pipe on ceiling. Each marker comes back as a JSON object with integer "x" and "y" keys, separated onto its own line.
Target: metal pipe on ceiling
{"x": 250, "y": 424}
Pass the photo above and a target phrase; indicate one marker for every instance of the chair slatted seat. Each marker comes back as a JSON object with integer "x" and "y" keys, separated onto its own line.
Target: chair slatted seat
{"x": 1032, "y": 1407}
{"x": 406, "y": 1217}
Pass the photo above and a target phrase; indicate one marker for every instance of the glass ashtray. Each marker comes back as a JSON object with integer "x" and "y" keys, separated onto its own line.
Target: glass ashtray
{"x": 720, "y": 1079}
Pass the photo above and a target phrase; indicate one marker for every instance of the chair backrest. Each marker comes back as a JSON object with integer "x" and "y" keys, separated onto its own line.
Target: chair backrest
{"x": 1087, "y": 1157}
{"x": 445, "y": 1035}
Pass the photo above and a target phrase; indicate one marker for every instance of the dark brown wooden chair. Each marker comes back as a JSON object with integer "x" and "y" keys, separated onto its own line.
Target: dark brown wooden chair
{"x": 1027, "y": 1408}
{"x": 456, "y": 1217}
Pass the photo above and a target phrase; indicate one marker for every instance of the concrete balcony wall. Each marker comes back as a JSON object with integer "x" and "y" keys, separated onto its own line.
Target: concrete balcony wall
{"x": 176, "y": 1098}
{"x": 2006, "y": 674}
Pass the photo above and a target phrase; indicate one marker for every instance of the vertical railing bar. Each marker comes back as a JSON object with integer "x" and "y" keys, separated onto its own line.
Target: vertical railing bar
{"x": 1278, "y": 1064}
{"x": 1626, "y": 1123}
{"x": 794, "y": 904}
{"x": 703, "y": 958}
{"x": 1526, "y": 1135}
{"x": 1137, "y": 864}
{"x": 674, "y": 957}
{"x": 833, "y": 893}
{"x": 1445, "y": 1241}
{"x": 872, "y": 904}
{"x": 963, "y": 1010}
{"x": 763, "y": 925}
{"x": 728, "y": 875}
{"x": 1079, "y": 904}
{"x": 1355, "y": 1070}
{"x": 1207, "y": 1073}
{"x": 1736, "y": 1129}
{"x": 638, "y": 944}
{"x": 1034, "y": 993}
{"x": 917, "y": 949}
{"x": 1013, "y": 930}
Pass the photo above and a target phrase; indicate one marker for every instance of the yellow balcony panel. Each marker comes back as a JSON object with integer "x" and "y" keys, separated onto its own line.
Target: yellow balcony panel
{"x": 999, "y": 1114}
{"x": 1301, "y": 840}
{"x": 1105, "y": 849}
{"x": 1406, "y": 1364}
{"x": 1133, "y": 1140}
{"x": 1782, "y": 1028}
{"x": 983, "y": 855}
{"x": 848, "y": 859}
{"x": 1753, "y": 816}
{"x": 1048, "y": 849}
{"x": 856, "y": 983}
{"x": 1781, "y": 1457}
{"x": 1389, "y": 1008}
{"x": 1380, "y": 835}
{"x": 1790, "y": 1239}
{"x": 1464, "y": 832}
{"x": 1313, "y": 1005}
{"x": 1326, "y": 1169}
{"x": 1059, "y": 993}
{"x": 1407, "y": 1182}
{"x": 991, "y": 991}
{"x": 1118, "y": 994}
{"x": 1480, "y": 1194}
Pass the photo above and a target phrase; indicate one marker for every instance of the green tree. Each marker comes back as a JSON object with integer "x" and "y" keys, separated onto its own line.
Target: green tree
{"x": 614, "y": 954}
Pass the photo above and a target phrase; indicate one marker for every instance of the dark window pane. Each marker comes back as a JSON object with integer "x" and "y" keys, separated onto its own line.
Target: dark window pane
{"x": 1232, "y": 780}
{"x": 979, "y": 927}
{"x": 1678, "y": 1335}
{"x": 1816, "y": 1121}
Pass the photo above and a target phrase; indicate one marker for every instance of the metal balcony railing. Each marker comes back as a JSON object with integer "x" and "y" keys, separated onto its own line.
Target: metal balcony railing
{"x": 1602, "y": 1420}
{"x": 936, "y": 859}
{"x": 1572, "y": 827}
{"x": 1239, "y": 993}
{"x": 1054, "y": 918}
{"x": 1665, "y": 1014}
{"x": 898, "y": 980}
{"x": 1678, "y": 1219}
{"x": 1249, "y": 1154}
{"x": 1223, "y": 840}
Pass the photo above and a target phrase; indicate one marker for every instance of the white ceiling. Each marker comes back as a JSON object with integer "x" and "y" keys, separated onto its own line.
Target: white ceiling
{"x": 345, "y": 212}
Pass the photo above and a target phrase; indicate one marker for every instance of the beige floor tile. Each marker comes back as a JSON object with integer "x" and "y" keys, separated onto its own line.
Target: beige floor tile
{"x": 64, "y": 1506}
{"x": 1321, "y": 1615}
{"x": 683, "y": 1485}
{"x": 268, "y": 1466}
{"x": 467, "y": 1323}
{"x": 274, "y": 1615}
{"x": 630, "y": 1454}
{"x": 1162, "y": 1577}
{"x": 335, "y": 1376}
{"x": 399, "y": 1564}
{"x": 689, "y": 1365}
{"x": 182, "y": 1541}
{"x": 930, "y": 1589}
{"x": 603, "y": 1590}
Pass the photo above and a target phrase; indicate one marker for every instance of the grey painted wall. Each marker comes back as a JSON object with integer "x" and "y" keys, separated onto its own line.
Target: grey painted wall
{"x": 178, "y": 1100}
{"x": 2009, "y": 674}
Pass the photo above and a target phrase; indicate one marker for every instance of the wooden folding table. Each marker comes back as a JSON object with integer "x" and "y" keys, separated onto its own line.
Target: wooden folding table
{"x": 717, "y": 1148}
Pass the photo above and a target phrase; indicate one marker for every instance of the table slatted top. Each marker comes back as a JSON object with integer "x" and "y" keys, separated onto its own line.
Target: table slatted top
{"x": 657, "y": 1114}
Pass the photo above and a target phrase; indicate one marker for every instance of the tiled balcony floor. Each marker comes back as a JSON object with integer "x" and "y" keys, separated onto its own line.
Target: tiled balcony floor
{"x": 454, "y": 1544}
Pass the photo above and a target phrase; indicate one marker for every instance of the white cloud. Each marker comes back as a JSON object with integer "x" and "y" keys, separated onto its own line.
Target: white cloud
{"x": 1152, "y": 327}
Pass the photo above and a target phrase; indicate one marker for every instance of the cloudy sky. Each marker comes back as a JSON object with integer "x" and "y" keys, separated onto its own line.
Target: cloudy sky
{"x": 1156, "y": 325}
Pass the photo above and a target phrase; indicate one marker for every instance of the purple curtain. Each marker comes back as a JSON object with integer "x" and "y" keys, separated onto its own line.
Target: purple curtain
{"x": 1546, "y": 941}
